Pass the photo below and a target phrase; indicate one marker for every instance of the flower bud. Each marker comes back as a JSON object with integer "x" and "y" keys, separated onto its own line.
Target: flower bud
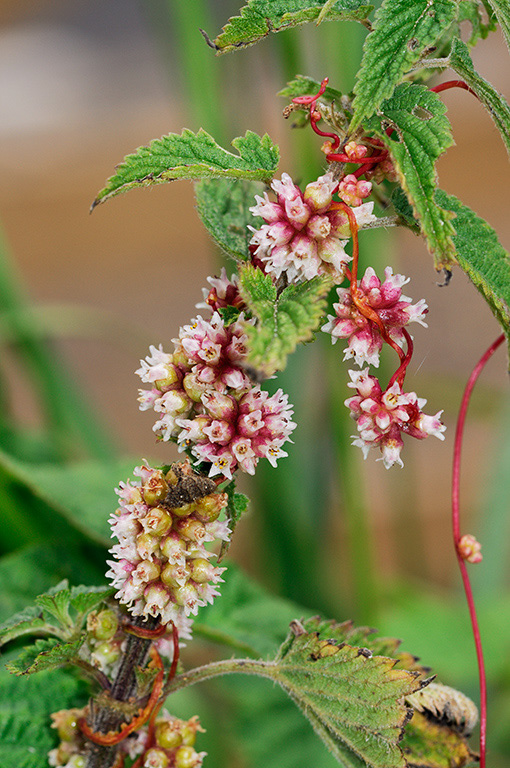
{"x": 168, "y": 733}
{"x": 146, "y": 545}
{"x": 186, "y": 757}
{"x": 183, "y": 511}
{"x": 76, "y": 761}
{"x": 156, "y": 758}
{"x": 470, "y": 549}
{"x": 66, "y": 723}
{"x": 102, "y": 625}
{"x": 158, "y": 521}
{"x": 194, "y": 387}
{"x": 105, "y": 654}
{"x": 219, "y": 406}
{"x": 201, "y": 570}
{"x": 190, "y": 529}
{"x": 174, "y": 576}
{"x": 173, "y": 547}
{"x": 208, "y": 508}
{"x": 171, "y": 378}
{"x": 155, "y": 489}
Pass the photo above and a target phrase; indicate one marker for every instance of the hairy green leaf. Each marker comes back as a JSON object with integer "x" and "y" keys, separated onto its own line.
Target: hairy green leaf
{"x": 481, "y": 256}
{"x": 83, "y": 493}
{"x": 302, "y": 85}
{"x": 355, "y": 701}
{"x": 428, "y": 744}
{"x": 496, "y": 104}
{"x": 224, "y": 207}
{"x": 283, "y": 320}
{"x": 402, "y": 31}
{"x": 56, "y": 603}
{"x": 237, "y": 506}
{"x": 45, "y": 654}
{"x": 502, "y": 10}
{"x": 192, "y": 156}
{"x": 421, "y": 133}
{"x": 84, "y": 599}
{"x": 25, "y": 709}
{"x": 26, "y": 622}
{"x": 260, "y": 17}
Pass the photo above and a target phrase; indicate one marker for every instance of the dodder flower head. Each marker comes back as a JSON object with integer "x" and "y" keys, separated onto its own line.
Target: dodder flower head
{"x": 212, "y": 407}
{"x": 304, "y": 232}
{"x": 382, "y": 417}
{"x": 161, "y": 566}
{"x": 172, "y": 744}
{"x": 385, "y": 298}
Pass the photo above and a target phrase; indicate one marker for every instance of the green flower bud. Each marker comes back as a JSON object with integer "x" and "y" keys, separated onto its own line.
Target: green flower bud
{"x": 158, "y": 521}
{"x": 168, "y": 733}
{"x": 106, "y": 653}
{"x": 155, "y": 758}
{"x": 146, "y": 544}
{"x": 185, "y": 757}
{"x": 66, "y": 723}
{"x": 77, "y": 761}
{"x": 155, "y": 489}
{"x": 184, "y": 511}
{"x": 209, "y": 507}
{"x": 190, "y": 529}
{"x": 102, "y": 625}
{"x": 201, "y": 570}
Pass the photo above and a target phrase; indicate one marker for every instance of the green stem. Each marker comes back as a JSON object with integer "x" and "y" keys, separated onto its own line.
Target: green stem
{"x": 217, "y": 668}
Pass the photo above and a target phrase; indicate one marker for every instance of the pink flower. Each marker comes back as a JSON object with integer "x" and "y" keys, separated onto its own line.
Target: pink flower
{"x": 239, "y": 432}
{"x": 304, "y": 234}
{"x": 394, "y": 309}
{"x": 470, "y": 549}
{"x": 352, "y": 191}
{"x": 223, "y": 293}
{"x": 382, "y": 417}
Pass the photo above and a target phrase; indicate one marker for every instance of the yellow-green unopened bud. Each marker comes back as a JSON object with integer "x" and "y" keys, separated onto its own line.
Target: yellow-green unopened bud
{"x": 190, "y": 529}
{"x": 102, "y": 625}
{"x": 189, "y": 734}
{"x": 184, "y": 511}
{"x": 209, "y": 507}
{"x": 186, "y": 757}
{"x": 168, "y": 734}
{"x": 201, "y": 570}
{"x": 155, "y": 489}
{"x": 158, "y": 521}
{"x": 77, "y": 761}
{"x": 155, "y": 758}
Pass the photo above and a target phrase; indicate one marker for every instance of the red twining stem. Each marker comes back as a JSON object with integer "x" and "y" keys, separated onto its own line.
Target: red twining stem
{"x": 112, "y": 738}
{"x": 452, "y": 84}
{"x": 456, "y": 537}
{"x": 146, "y": 634}
{"x": 400, "y": 373}
{"x": 310, "y": 101}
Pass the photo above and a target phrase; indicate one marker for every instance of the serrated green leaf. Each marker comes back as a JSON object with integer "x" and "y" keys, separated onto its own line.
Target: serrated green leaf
{"x": 428, "y": 744}
{"x": 402, "y": 31}
{"x": 502, "y": 10}
{"x": 224, "y": 206}
{"x": 421, "y": 134}
{"x": 84, "y": 599}
{"x": 481, "y": 256}
{"x": 192, "y": 156}
{"x": 283, "y": 320}
{"x": 355, "y": 702}
{"x": 260, "y": 17}
{"x": 26, "y": 622}
{"x": 496, "y": 104}
{"x": 56, "y": 603}
{"x": 25, "y": 709}
{"x": 237, "y": 505}
{"x": 45, "y": 654}
{"x": 404, "y": 208}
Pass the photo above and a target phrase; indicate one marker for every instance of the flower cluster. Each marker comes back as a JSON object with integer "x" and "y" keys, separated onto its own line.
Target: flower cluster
{"x": 208, "y": 404}
{"x": 172, "y": 744}
{"x": 381, "y": 417}
{"x": 305, "y": 233}
{"x": 71, "y": 752}
{"x": 385, "y": 298}
{"x": 161, "y": 566}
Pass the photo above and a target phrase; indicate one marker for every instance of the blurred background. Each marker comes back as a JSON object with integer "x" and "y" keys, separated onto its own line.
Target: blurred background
{"x": 82, "y": 297}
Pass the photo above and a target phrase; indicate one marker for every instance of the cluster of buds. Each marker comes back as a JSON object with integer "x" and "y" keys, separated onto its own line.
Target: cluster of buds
{"x": 206, "y": 401}
{"x": 386, "y": 300}
{"x": 161, "y": 566}
{"x": 172, "y": 744}
{"x": 305, "y": 233}
{"x": 105, "y": 639}
{"x": 470, "y": 549}
{"x": 71, "y": 752}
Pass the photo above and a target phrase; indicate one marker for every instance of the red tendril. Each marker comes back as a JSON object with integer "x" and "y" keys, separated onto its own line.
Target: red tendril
{"x": 456, "y": 538}
{"x": 453, "y": 84}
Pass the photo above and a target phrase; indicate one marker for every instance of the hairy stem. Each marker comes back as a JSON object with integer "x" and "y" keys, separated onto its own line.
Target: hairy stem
{"x": 105, "y": 719}
{"x": 217, "y": 668}
{"x": 457, "y": 535}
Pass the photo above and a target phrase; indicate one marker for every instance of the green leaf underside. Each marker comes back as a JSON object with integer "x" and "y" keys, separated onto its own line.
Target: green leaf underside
{"x": 428, "y": 744}
{"x": 481, "y": 256}
{"x": 502, "y": 10}
{"x": 402, "y": 31}
{"x": 25, "y": 708}
{"x": 496, "y": 105}
{"x": 260, "y": 17}
{"x": 45, "y": 654}
{"x": 356, "y": 704}
{"x": 223, "y": 206}
{"x": 284, "y": 320}
{"x": 193, "y": 156}
{"x": 51, "y": 613}
{"x": 422, "y": 134}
